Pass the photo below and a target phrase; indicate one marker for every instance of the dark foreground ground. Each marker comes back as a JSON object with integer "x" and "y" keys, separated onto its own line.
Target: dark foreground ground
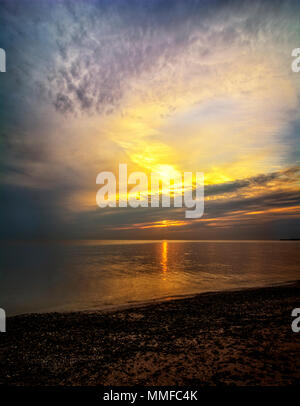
{"x": 240, "y": 338}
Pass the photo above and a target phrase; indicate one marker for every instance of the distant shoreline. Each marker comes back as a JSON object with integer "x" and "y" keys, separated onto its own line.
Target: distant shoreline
{"x": 289, "y": 239}
{"x": 239, "y": 337}
{"x": 132, "y": 241}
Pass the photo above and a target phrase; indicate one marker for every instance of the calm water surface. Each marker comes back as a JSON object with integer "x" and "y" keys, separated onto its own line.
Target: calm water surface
{"x": 87, "y": 275}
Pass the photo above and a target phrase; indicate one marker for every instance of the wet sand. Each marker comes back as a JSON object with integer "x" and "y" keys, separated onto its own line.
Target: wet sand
{"x": 229, "y": 338}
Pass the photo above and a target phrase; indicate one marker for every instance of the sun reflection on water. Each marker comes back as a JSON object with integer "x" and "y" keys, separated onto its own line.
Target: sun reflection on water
{"x": 164, "y": 258}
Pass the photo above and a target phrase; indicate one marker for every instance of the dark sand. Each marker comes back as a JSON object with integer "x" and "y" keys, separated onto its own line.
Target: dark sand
{"x": 239, "y": 338}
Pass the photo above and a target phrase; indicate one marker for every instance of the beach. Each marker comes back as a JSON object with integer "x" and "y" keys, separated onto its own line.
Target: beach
{"x": 225, "y": 338}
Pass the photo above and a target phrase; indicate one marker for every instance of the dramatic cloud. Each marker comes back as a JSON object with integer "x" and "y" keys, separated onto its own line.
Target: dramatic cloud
{"x": 162, "y": 85}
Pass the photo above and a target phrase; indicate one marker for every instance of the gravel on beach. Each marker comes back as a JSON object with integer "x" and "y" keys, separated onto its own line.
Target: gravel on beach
{"x": 229, "y": 338}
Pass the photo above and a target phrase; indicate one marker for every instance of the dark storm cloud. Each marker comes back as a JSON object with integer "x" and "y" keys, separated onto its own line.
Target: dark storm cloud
{"x": 265, "y": 201}
{"x": 260, "y": 180}
{"x": 29, "y": 213}
{"x": 22, "y": 149}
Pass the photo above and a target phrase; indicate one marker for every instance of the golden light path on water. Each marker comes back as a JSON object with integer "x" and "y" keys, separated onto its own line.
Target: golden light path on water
{"x": 164, "y": 258}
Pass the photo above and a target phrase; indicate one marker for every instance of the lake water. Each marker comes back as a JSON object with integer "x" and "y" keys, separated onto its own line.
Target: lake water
{"x": 88, "y": 275}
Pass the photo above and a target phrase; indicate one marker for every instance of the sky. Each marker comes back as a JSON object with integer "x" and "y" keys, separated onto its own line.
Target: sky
{"x": 168, "y": 86}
